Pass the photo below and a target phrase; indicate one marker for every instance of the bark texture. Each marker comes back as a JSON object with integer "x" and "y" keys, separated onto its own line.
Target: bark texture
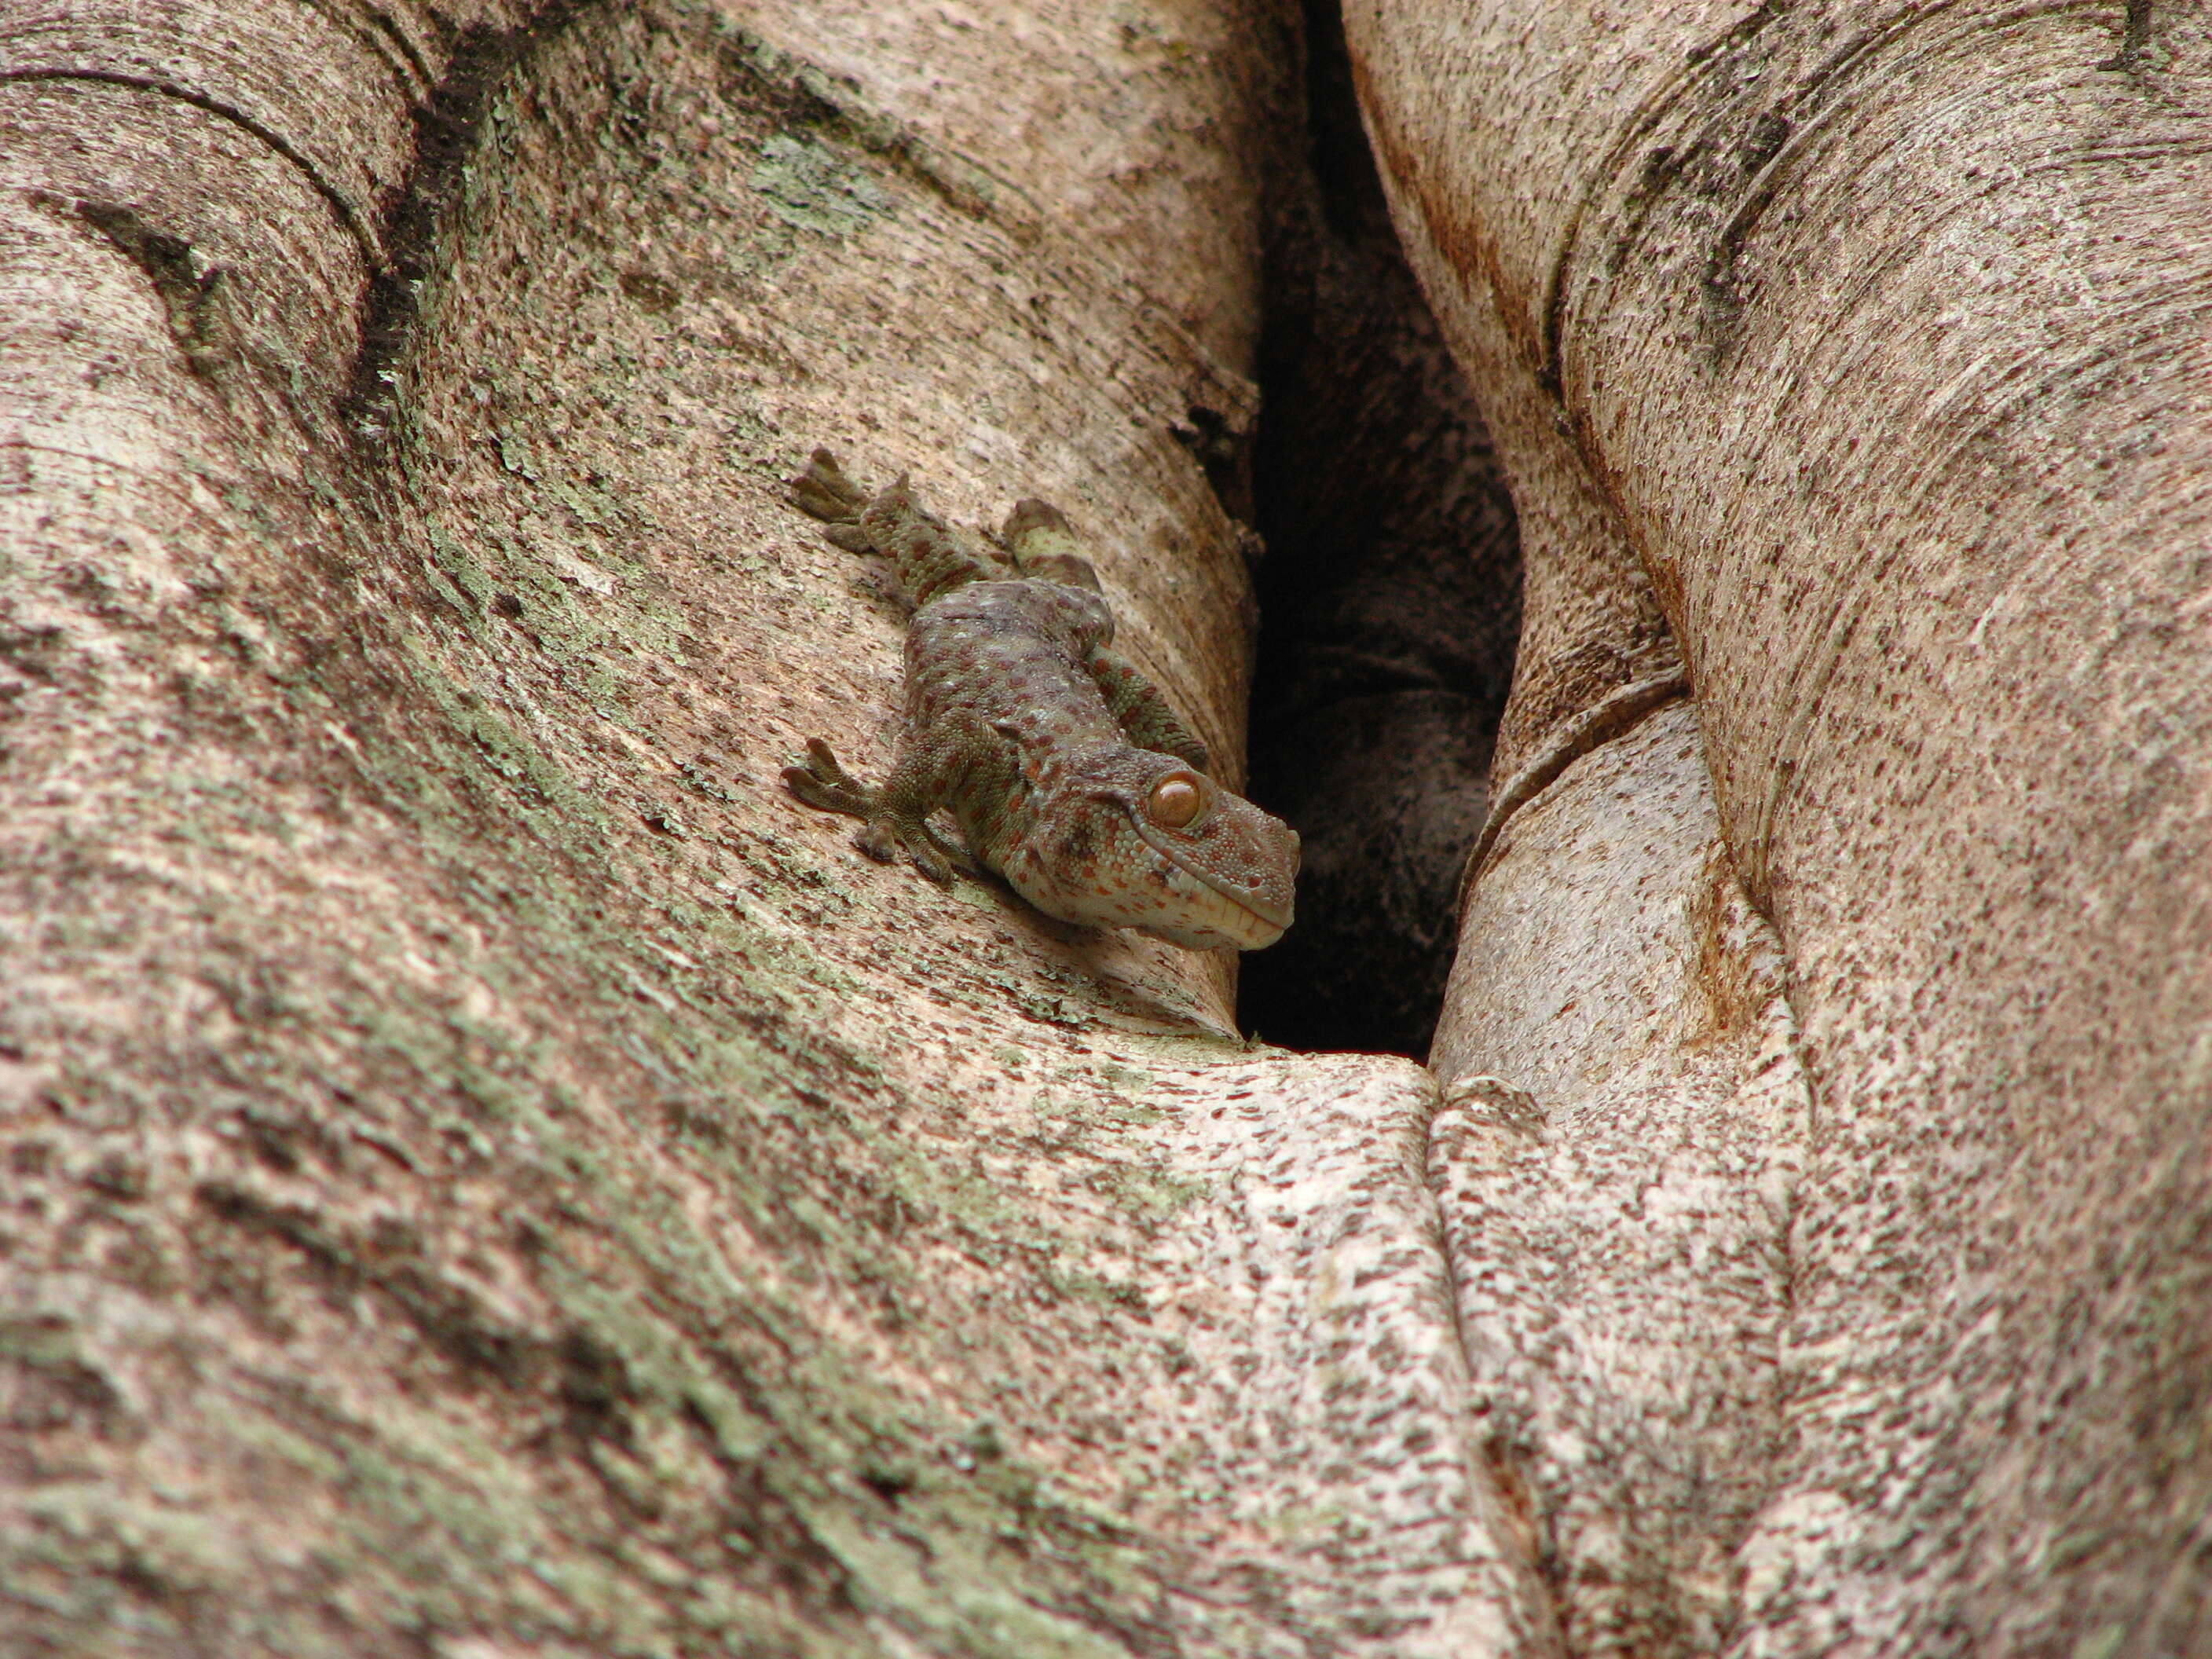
{"x": 486, "y": 1173}
{"x": 1861, "y": 348}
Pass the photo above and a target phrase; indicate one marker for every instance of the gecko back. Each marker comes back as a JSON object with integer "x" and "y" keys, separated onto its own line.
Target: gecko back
{"x": 1066, "y": 771}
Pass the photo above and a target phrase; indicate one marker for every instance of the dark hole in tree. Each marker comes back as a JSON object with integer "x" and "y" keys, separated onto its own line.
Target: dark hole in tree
{"x": 1390, "y": 599}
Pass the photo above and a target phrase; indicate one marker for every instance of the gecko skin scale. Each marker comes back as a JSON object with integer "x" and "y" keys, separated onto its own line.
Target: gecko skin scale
{"x": 1065, "y": 768}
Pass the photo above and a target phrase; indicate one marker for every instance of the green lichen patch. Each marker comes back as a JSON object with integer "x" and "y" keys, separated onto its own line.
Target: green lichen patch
{"x": 1153, "y": 1194}
{"x": 808, "y": 187}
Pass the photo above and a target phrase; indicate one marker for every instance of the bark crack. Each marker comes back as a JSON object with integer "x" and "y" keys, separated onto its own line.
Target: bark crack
{"x": 1659, "y": 169}
{"x": 2135, "y": 35}
{"x": 447, "y": 122}
{"x": 804, "y": 92}
{"x": 371, "y": 23}
{"x": 275, "y": 140}
{"x": 189, "y": 293}
{"x": 1775, "y": 134}
{"x": 1517, "y": 1524}
{"x": 1611, "y": 717}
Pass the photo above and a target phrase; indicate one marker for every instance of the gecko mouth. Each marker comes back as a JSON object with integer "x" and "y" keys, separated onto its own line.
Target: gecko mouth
{"x": 1209, "y": 917}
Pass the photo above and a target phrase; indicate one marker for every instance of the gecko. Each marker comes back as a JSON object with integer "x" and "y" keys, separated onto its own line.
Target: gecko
{"x": 1066, "y": 771}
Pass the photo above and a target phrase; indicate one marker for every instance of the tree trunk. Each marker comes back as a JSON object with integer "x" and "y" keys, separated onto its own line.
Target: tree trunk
{"x": 1826, "y": 1170}
{"x": 488, "y": 1173}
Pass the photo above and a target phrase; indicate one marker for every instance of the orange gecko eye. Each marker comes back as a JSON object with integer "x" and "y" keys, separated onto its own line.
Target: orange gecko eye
{"x": 1175, "y": 801}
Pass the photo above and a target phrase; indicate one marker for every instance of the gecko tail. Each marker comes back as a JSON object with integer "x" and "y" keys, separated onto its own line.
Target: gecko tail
{"x": 1046, "y": 547}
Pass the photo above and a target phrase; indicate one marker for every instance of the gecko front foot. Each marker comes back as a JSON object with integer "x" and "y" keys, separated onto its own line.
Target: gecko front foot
{"x": 888, "y": 835}
{"x": 823, "y": 492}
{"x": 888, "y": 838}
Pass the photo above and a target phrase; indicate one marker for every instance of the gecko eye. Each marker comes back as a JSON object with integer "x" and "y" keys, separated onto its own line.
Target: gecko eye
{"x": 1175, "y": 801}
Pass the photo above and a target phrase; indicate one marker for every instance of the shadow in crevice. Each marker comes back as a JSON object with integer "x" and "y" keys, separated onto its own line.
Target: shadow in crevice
{"x": 1390, "y": 600}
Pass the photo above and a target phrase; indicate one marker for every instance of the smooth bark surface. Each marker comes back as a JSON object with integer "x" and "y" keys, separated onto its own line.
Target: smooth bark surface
{"x": 1618, "y": 1161}
{"x": 1866, "y": 343}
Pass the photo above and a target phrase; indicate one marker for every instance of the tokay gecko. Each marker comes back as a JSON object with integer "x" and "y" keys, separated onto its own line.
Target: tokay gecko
{"x": 1064, "y": 767}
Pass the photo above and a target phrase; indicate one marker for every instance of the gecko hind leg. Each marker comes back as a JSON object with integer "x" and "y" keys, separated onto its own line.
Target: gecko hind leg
{"x": 888, "y": 835}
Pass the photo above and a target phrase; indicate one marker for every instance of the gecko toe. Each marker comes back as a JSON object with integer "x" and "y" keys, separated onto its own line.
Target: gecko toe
{"x": 824, "y": 491}
{"x": 878, "y": 843}
{"x": 805, "y": 787}
{"x": 890, "y": 840}
{"x": 823, "y": 783}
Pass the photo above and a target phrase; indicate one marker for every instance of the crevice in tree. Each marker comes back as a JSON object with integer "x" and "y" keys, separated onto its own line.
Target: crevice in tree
{"x": 446, "y": 124}
{"x": 1391, "y": 597}
{"x": 188, "y": 293}
{"x": 1223, "y": 447}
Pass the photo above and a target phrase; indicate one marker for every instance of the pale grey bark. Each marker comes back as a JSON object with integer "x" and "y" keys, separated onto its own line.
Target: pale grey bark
{"x": 1865, "y": 344}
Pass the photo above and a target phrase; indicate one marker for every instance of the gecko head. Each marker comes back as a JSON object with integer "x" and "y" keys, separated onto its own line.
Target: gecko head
{"x": 1129, "y": 838}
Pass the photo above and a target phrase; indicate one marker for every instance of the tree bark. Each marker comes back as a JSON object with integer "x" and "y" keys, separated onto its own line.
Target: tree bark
{"x": 488, "y": 1173}
{"x": 1843, "y": 1287}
